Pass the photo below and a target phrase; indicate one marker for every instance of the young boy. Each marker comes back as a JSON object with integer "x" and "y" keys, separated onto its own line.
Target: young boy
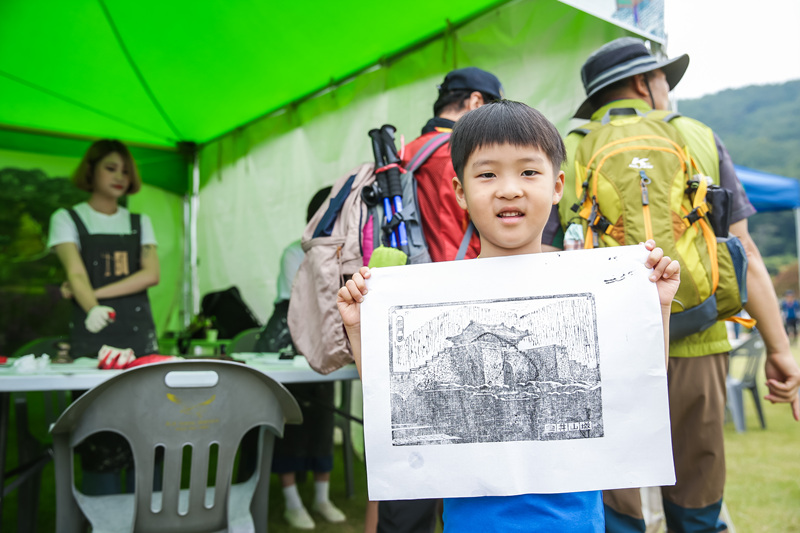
{"x": 507, "y": 158}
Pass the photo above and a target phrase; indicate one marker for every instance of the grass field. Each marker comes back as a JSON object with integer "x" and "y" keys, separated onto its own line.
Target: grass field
{"x": 762, "y": 491}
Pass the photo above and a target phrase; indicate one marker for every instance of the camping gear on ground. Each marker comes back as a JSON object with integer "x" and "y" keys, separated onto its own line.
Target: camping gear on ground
{"x": 635, "y": 179}
{"x": 355, "y": 225}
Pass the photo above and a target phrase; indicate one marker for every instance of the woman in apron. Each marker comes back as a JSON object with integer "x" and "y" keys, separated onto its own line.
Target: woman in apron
{"x": 110, "y": 259}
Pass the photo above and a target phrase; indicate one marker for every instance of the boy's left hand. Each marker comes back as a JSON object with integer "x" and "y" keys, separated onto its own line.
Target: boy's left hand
{"x": 666, "y": 273}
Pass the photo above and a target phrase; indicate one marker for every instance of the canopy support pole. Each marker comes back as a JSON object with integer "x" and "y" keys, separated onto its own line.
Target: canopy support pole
{"x": 195, "y": 206}
{"x": 797, "y": 237}
{"x": 191, "y": 204}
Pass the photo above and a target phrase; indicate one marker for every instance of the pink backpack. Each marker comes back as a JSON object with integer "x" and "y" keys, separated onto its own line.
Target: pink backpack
{"x": 314, "y": 320}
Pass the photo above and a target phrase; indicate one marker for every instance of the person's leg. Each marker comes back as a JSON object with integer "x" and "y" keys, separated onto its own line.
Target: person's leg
{"x": 101, "y": 483}
{"x": 318, "y": 417}
{"x": 295, "y": 513}
{"x": 371, "y": 518}
{"x": 697, "y": 413}
{"x": 623, "y": 509}
{"x": 407, "y": 516}
{"x": 322, "y": 502}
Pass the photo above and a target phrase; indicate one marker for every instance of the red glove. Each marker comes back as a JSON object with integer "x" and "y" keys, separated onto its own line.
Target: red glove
{"x": 148, "y": 359}
{"x": 114, "y": 358}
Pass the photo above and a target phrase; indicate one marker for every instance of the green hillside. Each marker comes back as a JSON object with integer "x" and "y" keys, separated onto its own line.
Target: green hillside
{"x": 760, "y": 125}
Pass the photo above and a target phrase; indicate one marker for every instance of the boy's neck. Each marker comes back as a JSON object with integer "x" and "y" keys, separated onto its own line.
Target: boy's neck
{"x": 489, "y": 251}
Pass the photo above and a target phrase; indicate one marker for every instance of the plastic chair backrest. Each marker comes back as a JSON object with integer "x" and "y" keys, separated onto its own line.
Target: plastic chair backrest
{"x": 170, "y": 406}
{"x": 244, "y": 342}
{"x": 753, "y": 349}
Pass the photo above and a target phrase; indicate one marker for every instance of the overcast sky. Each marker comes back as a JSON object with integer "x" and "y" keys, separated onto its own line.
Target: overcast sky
{"x": 733, "y": 43}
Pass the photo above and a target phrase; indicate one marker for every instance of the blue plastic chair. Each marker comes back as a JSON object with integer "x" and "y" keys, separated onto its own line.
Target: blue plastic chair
{"x": 752, "y": 349}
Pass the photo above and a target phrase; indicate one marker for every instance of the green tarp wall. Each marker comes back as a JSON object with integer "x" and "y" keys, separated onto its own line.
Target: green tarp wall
{"x": 319, "y": 74}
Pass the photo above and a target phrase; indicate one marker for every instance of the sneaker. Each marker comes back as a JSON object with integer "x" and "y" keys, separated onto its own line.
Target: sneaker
{"x": 329, "y": 511}
{"x": 299, "y": 518}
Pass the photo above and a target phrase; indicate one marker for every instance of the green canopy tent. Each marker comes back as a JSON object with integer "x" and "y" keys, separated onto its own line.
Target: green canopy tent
{"x": 247, "y": 107}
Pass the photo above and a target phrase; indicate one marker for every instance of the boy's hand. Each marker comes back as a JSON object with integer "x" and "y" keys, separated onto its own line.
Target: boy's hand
{"x": 349, "y": 298}
{"x": 666, "y": 273}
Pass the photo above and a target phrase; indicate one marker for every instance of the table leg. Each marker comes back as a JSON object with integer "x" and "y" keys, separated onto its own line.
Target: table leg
{"x": 5, "y": 413}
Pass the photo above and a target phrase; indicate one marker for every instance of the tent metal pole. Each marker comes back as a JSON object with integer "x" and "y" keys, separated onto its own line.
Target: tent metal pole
{"x": 797, "y": 236}
{"x": 195, "y": 205}
{"x": 186, "y": 314}
{"x": 191, "y": 203}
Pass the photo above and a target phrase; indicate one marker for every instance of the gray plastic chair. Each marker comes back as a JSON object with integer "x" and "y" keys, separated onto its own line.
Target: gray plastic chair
{"x": 752, "y": 349}
{"x": 245, "y": 341}
{"x": 174, "y": 405}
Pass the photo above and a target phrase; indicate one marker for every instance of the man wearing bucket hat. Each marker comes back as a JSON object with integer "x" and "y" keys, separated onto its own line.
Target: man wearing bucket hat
{"x": 623, "y": 77}
{"x": 443, "y": 220}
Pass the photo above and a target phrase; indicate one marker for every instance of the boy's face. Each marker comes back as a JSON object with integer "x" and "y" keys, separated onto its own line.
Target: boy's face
{"x": 509, "y": 191}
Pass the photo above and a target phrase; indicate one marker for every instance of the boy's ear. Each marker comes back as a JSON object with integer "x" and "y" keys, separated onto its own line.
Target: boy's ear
{"x": 458, "y": 188}
{"x": 558, "y": 189}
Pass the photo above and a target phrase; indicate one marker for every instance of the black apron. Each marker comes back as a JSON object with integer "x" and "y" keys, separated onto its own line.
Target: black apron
{"x": 110, "y": 258}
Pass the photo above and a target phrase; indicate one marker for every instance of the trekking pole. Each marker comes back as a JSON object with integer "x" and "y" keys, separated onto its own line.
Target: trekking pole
{"x": 382, "y": 178}
{"x": 395, "y": 186}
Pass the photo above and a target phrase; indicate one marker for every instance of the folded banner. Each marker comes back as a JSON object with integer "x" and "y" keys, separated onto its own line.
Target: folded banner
{"x": 539, "y": 373}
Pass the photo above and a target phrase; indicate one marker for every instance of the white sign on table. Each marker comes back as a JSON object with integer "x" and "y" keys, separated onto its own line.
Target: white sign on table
{"x": 535, "y": 373}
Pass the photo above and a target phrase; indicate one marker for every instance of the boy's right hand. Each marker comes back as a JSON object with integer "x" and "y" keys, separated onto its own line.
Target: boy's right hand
{"x": 349, "y": 298}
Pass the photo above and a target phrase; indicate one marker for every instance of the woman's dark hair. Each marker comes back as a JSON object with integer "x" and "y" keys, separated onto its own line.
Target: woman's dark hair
{"x": 454, "y": 100}
{"x": 505, "y": 122}
{"x": 84, "y": 174}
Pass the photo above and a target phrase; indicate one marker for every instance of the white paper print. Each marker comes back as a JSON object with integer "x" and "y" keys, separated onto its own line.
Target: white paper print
{"x": 527, "y": 374}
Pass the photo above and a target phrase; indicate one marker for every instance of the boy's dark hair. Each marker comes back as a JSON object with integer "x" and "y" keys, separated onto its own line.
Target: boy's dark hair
{"x": 505, "y": 122}
{"x": 454, "y": 100}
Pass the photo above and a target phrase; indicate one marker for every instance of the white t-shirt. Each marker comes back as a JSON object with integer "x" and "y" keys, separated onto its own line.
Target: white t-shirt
{"x": 290, "y": 263}
{"x": 63, "y": 229}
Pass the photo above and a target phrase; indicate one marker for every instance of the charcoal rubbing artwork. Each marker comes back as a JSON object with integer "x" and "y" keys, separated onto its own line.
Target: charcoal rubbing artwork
{"x": 514, "y": 369}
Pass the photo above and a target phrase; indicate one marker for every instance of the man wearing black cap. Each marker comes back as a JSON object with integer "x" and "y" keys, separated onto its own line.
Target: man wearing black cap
{"x": 443, "y": 221}
{"x": 623, "y": 74}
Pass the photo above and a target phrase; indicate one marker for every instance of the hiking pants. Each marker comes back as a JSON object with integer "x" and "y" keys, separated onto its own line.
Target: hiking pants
{"x": 697, "y": 414}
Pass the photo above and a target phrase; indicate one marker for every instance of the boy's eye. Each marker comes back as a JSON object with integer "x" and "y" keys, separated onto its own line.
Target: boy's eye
{"x": 486, "y": 175}
{"x": 529, "y": 173}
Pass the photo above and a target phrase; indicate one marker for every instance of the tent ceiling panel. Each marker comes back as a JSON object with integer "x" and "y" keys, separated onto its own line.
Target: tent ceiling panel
{"x": 164, "y": 71}
{"x": 67, "y": 73}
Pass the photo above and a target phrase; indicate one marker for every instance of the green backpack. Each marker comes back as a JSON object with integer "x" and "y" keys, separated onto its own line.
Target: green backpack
{"x": 635, "y": 179}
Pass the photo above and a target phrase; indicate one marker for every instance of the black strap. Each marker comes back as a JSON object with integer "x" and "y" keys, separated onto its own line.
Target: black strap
{"x": 82, "y": 231}
{"x": 136, "y": 224}
{"x": 462, "y": 250}
{"x": 427, "y": 150}
{"x": 325, "y": 226}
{"x": 620, "y": 111}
